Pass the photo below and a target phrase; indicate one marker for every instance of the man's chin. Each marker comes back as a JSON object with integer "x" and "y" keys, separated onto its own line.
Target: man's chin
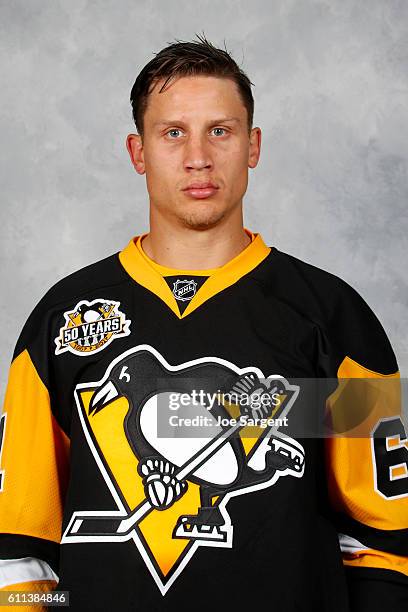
{"x": 202, "y": 221}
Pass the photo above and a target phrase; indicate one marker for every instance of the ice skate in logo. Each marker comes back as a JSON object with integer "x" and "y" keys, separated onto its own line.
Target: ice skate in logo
{"x": 184, "y": 290}
{"x": 171, "y": 493}
{"x": 91, "y": 326}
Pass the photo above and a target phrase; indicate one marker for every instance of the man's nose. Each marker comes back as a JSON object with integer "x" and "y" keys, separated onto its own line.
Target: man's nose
{"x": 197, "y": 153}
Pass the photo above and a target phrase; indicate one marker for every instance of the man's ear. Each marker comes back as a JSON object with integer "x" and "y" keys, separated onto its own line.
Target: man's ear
{"x": 134, "y": 145}
{"x": 254, "y": 147}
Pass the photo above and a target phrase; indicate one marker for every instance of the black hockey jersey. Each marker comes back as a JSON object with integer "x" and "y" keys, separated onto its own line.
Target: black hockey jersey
{"x": 100, "y": 500}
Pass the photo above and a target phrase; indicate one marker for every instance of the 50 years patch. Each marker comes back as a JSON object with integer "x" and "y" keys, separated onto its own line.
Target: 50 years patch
{"x": 91, "y": 326}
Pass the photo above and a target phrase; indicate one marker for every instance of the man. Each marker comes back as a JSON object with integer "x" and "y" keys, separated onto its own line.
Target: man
{"x": 96, "y": 499}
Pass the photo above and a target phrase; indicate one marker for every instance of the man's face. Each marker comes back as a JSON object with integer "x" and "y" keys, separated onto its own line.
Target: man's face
{"x": 195, "y": 131}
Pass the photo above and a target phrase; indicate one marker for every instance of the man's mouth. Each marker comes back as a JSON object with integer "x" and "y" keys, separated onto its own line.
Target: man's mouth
{"x": 200, "y": 190}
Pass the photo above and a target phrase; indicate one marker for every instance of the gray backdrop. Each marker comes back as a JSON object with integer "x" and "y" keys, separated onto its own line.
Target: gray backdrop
{"x": 330, "y": 95}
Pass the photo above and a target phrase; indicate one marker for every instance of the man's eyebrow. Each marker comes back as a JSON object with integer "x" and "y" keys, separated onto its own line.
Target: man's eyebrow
{"x": 212, "y": 122}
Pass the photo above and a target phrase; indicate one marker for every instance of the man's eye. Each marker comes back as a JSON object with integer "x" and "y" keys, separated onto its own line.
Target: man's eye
{"x": 172, "y": 132}
{"x": 219, "y": 129}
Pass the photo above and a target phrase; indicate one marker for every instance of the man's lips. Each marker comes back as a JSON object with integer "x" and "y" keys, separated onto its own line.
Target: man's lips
{"x": 200, "y": 190}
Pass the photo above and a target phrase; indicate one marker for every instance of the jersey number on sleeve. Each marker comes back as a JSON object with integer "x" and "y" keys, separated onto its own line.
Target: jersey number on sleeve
{"x": 390, "y": 450}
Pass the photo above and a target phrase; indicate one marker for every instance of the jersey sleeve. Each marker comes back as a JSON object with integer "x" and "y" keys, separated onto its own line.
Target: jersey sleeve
{"x": 34, "y": 465}
{"x": 367, "y": 471}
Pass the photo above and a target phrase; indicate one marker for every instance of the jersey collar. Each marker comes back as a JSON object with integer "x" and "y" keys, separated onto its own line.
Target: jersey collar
{"x": 138, "y": 266}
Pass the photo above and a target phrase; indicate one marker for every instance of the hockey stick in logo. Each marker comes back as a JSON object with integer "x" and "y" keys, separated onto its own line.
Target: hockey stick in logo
{"x": 86, "y": 525}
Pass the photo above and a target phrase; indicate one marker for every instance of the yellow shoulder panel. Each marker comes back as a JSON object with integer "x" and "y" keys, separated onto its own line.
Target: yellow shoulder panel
{"x": 34, "y": 458}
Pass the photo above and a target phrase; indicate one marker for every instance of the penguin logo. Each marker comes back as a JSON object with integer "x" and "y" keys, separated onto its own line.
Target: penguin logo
{"x": 171, "y": 493}
{"x": 91, "y": 326}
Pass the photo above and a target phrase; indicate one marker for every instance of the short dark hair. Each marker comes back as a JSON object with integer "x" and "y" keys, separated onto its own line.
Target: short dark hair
{"x": 186, "y": 59}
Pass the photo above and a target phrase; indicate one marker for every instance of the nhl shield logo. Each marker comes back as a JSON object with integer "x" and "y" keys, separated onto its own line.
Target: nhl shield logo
{"x": 184, "y": 290}
{"x": 91, "y": 326}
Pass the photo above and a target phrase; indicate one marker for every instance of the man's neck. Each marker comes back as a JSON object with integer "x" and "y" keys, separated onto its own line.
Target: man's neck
{"x": 187, "y": 249}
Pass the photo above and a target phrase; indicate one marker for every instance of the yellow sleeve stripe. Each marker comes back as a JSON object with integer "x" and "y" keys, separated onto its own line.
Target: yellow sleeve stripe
{"x": 377, "y": 559}
{"x": 34, "y": 457}
{"x": 40, "y": 586}
{"x": 350, "y": 459}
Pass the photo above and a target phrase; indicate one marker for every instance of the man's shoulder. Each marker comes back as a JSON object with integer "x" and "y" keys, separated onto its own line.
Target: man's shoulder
{"x": 105, "y": 272}
{"x": 339, "y": 309}
{"x": 310, "y": 286}
{"x": 87, "y": 283}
